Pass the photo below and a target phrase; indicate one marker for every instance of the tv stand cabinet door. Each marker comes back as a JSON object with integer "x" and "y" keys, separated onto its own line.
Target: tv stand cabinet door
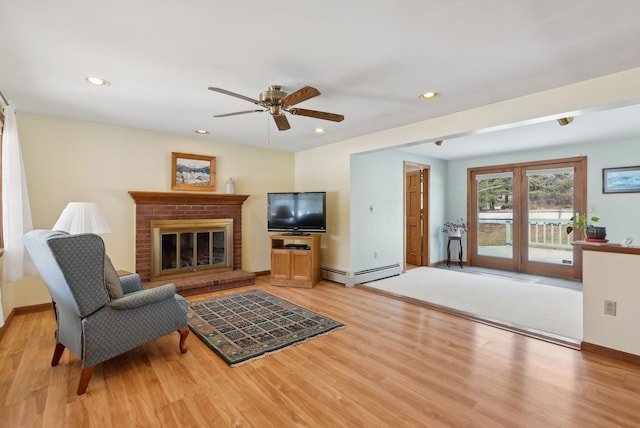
{"x": 280, "y": 264}
{"x": 301, "y": 265}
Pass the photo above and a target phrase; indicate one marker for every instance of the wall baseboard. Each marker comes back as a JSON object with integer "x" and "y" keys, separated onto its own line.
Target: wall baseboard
{"x": 262, "y": 273}
{"x": 7, "y": 323}
{"x": 22, "y": 311}
{"x": 33, "y": 308}
{"x": 610, "y": 352}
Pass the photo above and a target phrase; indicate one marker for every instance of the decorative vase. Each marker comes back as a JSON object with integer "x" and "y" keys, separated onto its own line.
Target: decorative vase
{"x": 456, "y": 233}
{"x": 230, "y": 186}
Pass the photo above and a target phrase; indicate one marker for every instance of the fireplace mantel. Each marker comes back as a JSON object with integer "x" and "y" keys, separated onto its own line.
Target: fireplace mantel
{"x": 182, "y": 198}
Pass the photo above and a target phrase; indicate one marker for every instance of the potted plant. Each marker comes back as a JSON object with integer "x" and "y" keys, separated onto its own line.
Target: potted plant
{"x": 591, "y": 232}
{"x": 455, "y": 228}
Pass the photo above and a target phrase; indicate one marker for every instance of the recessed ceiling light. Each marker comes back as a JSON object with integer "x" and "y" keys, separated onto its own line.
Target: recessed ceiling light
{"x": 319, "y": 131}
{"x": 429, "y": 96}
{"x": 565, "y": 120}
{"x": 201, "y": 131}
{"x": 96, "y": 81}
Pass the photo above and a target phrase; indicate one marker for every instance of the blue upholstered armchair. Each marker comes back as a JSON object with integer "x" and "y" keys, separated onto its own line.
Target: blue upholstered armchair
{"x": 99, "y": 315}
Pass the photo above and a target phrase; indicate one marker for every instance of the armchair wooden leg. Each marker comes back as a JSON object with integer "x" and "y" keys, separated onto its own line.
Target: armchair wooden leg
{"x": 57, "y": 353}
{"x": 184, "y": 332}
{"x": 85, "y": 377}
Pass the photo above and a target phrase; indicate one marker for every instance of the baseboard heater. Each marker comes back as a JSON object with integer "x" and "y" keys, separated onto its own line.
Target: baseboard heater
{"x": 359, "y": 277}
{"x": 334, "y": 275}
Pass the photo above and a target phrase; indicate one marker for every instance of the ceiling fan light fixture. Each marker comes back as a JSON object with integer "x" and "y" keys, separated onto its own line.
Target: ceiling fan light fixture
{"x": 278, "y": 102}
{"x": 565, "y": 120}
{"x": 429, "y": 96}
{"x": 273, "y": 95}
{"x": 97, "y": 81}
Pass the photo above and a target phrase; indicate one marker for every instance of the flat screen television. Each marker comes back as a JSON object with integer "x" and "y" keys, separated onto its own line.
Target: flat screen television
{"x": 297, "y": 213}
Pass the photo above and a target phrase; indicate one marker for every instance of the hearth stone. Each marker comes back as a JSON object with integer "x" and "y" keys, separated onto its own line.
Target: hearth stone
{"x": 207, "y": 283}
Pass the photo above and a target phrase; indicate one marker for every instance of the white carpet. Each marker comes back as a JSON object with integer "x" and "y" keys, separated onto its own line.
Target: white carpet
{"x": 546, "y": 308}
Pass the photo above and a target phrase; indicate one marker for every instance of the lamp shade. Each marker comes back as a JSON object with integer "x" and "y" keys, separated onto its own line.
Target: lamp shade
{"x": 82, "y": 217}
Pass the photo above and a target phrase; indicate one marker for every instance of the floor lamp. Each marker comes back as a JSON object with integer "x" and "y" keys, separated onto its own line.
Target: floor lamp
{"x": 82, "y": 217}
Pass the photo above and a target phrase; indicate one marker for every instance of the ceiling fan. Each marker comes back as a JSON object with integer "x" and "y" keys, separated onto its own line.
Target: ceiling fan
{"x": 278, "y": 102}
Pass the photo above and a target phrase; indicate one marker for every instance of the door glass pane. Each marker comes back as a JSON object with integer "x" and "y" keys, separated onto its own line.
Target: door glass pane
{"x": 495, "y": 214}
{"x": 550, "y": 209}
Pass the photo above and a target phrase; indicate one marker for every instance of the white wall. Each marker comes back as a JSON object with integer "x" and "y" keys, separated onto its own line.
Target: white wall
{"x": 377, "y": 180}
{"x": 67, "y": 160}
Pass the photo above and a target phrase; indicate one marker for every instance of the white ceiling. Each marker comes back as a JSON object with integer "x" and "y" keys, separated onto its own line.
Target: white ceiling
{"x": 370, "y": 59}
{"x": 611, "y": 124}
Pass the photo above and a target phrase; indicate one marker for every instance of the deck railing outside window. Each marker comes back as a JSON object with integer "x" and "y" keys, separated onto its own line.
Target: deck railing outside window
{"x": 542, "y": 233}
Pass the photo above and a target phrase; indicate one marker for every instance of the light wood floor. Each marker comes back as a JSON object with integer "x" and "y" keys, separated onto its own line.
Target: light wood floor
{"x": 395, "y": 365}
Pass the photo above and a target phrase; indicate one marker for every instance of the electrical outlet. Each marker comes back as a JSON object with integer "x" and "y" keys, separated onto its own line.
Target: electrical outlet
{"x": 610, "y": 307}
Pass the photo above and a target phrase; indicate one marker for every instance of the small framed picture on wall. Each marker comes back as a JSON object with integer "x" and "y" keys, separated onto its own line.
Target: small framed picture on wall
{"x": 621, "y": 180}
{"x": 193, "y": 172}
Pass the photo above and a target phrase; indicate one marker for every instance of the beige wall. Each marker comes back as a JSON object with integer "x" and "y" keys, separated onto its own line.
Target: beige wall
{"x": 67, "y": 160}
{"x": 611, "y": 276}
{"x": 330, "y": 174}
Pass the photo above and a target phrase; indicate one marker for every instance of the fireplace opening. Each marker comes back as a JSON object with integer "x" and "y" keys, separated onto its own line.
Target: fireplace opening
{"x": 183, "y": 248}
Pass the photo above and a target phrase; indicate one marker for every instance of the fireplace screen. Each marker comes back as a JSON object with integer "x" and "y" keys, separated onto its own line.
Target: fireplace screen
{"x": 185, "y": 247}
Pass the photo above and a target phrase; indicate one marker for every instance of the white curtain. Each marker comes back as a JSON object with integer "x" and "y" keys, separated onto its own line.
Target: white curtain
{"x": 16, "y": 214}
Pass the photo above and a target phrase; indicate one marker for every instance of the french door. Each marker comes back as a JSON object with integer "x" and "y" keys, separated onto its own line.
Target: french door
{"x": 518, "y": 215}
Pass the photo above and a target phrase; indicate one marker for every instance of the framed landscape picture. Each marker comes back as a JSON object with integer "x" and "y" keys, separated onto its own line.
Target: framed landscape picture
{"x": 621, "y": 180}
{"x": 193, "y": 172}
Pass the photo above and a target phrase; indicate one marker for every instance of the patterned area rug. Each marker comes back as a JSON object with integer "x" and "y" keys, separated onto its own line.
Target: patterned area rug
{"x": 243, "y": 326}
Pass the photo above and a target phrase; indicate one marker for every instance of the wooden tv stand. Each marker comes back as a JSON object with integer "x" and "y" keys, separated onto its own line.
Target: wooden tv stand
{"x": 295, "y": 267}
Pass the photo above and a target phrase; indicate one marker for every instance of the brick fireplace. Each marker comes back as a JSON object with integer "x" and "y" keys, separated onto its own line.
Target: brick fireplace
{"x": 162, "y": 206}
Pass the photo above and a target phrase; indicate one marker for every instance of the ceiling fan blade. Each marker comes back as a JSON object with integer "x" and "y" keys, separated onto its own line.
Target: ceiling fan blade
{"x": 317, "y": 114}
{"x": 300, "y": 95}
{"x": 233, "y": 94}
{"x": 238, "y": 112}
{"x": 281, "y": 122}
